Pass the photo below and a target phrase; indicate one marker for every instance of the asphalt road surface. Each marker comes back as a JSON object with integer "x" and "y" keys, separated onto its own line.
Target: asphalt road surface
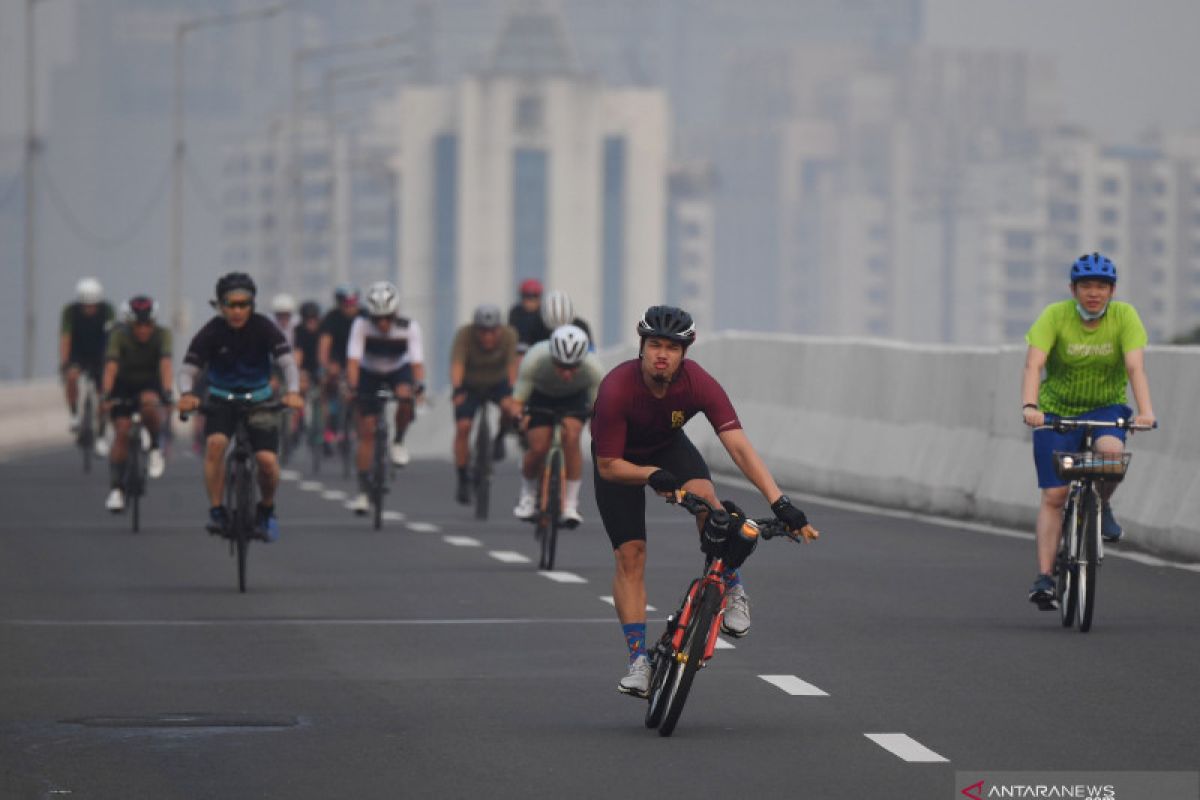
{"x": 432, "y": 659}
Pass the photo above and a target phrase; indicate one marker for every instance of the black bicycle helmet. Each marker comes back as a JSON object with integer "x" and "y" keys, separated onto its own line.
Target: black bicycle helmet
{"x": 235, "y": 282}
{"x": 142, "y": 309}
{"x": 309, "y": 310}
{"x": 667, "y": 322}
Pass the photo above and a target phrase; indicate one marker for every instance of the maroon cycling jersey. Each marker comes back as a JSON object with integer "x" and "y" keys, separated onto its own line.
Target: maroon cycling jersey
{"x": 630, "y": 422}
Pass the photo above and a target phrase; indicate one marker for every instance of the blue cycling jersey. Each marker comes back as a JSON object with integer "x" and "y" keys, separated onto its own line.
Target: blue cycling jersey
{"x": 237, "y": 359}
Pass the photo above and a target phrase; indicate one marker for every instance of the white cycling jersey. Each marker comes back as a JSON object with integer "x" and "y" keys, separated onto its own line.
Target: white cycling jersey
{"x": 537, "y": 373}
{"x": 379, "y": 352}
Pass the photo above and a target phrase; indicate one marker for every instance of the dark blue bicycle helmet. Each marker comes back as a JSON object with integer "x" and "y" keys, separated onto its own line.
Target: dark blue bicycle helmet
{"x": 1093, "y": 266}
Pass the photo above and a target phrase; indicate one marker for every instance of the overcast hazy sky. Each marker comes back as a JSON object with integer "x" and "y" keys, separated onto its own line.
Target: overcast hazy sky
{"x": 1123, "y": 65}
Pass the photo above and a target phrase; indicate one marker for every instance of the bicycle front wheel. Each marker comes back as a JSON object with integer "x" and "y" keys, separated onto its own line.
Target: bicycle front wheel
{"x": 1065, "y": 588}
{"x": 554, "y": 474}
{"x": 87, "y": 437}
{"x": 483, "y": 464}
{"x": 1088, "y": 570}
{"x": 133, "y": 482}
{"x": 378, "y": 476}
{"x": 690, "y": 656}
{"x": 243, "y": 517}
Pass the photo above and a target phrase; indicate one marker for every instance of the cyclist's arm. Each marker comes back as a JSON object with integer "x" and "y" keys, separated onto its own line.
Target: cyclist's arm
{"x": 109, "y": 378}
{"x": 514, "y": 359}
{"x": 737, "y": 443}
{"x": 352, "y": 369}
{"x": 618, "y": 470}
{"x": 1135, "y": 367}
{"x": 1031, "y": 381}
{"x": 324, "y": 345}
{"x": 356, "y": 346}
{"x": 164, "y": 373}
{"x": 418, "y": 371}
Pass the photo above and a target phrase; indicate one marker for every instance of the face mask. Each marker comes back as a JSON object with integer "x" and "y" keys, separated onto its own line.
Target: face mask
{"x": 1090, "y": 317}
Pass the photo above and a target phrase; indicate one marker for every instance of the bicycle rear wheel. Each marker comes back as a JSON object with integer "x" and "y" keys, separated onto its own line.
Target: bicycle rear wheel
{"x": 1066, "y": 586}
{"x": 692, "y": 651}
{"x": 483, "y": 464}
{"x": 1088, "y": 570}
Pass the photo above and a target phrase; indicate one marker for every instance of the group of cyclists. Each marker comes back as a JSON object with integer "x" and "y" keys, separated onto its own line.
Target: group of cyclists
{"x": 541, "y": 365}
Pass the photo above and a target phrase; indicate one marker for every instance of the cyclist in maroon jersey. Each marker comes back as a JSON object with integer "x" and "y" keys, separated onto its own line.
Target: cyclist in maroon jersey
{"x": 638, "y": 440}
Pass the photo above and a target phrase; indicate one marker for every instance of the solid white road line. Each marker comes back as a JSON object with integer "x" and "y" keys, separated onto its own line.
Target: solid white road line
{"x": 333, "y": 494}
{"x": 509, "y": 556}
{"x": 461, "y": 541}
{"x": 423, "y": 527}
{"x": 249, "y": 622}
{"x": 608, "y": 598}
{"x": 794, "y": 686}
{"x": 906, "y": 747}
{"x": 311, "y": 486}
{"x": 558, "y": 576}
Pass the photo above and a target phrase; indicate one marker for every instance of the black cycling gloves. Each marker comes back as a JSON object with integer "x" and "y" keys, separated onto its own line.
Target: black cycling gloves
{"x": 662, "y": 481}
{"x": 787, "y": 513}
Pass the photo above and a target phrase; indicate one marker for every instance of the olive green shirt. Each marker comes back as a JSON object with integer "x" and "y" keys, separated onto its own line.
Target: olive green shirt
{"x": 483, "y": 368}
{"x": 137, "y": 362}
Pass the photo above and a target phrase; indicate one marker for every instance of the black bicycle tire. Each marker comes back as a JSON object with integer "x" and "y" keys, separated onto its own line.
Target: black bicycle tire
{"x": 695, "y": 639}
{"x": 1089, "y": 561}
{"x": 245, "y": 521}
{"x": 132, "y": 490}
{"x": 483, "y": 464}
{"x": 663, "y": 666}
{"x": 553, "y": 508}
{"x": 87, "y": 436}
{"x": 379, "y": 471}
{"x": 1066, "y": 586}
{"x": 345, "y": 447}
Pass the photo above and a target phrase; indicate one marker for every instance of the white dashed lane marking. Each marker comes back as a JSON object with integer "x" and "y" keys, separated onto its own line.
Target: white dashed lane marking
{"x": 289, "y": 474}
{"x": 333, "y": 494}
{"x": 423, "y": 527}
{"x": 794, "y": 686}
{"x": 311, "y": 486}
{"x": 462, "y": 541}
{"x": 393, "y": 516}
{"x": 509, "y": 556}
{"x": 905, "y": 747}
{"x": 608, "y": 598}
{"x": 558, "y": 576}
{"x": 724, "y": 645}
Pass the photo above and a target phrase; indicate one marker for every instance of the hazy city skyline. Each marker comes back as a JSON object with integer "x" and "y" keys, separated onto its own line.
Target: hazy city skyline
{"x": 1121, "y": 71}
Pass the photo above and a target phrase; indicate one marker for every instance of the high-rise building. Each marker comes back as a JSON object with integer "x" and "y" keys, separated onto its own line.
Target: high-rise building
{"x": 532, "y": 168}
{"x": 691, "y": 252}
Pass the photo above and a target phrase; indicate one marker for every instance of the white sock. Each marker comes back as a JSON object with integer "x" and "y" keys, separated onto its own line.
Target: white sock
{"x": 572, "y": 498}
{"x": 529, "y": 486}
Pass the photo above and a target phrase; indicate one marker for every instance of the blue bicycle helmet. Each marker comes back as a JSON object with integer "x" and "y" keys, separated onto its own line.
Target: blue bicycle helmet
{"x": 1093, "y": 266}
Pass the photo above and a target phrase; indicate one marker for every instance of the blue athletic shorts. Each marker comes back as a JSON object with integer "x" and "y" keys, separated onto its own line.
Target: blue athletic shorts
{"x": 1048, "y": 441}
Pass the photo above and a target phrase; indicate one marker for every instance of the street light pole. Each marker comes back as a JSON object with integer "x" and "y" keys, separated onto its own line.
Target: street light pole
{"x": 31, "y": 151}
{"x": 179, "y": 151}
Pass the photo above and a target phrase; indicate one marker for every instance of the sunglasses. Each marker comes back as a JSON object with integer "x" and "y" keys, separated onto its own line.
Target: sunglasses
{"x": 568, "y": 367}
{"x": 237, "y": 304}
{"x": 531, "y": 296}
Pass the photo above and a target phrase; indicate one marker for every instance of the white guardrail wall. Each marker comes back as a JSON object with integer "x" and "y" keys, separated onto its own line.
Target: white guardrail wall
{"x": 930, "y": 429}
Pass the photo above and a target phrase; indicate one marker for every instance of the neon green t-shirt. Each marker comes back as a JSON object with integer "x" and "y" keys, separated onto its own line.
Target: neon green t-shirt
{"x": 1085, "y": 369}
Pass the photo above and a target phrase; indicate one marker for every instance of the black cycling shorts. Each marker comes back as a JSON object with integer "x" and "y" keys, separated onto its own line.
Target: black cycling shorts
{"x": 470, "y": 403}
{"x": 127, "y": 397}
{"x": 370, "y": 382}
{"x": 623, "y": 507}
{"x": 263, "y": 426}
{"x": 573, "y": 405}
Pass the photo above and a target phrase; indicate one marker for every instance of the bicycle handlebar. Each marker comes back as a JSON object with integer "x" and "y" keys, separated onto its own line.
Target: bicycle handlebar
{"x": 208, "y": 407}
{"x": 768, "y": 527}
{"x": 1061, "y": 424}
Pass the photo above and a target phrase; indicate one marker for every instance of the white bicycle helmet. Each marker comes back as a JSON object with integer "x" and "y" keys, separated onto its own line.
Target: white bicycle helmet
{"x": 568, "y": 345}
{"x": 383, "y": 299}
{"x": 89, "y": 291}
{"x": 283, "y": 303}
{"x": 557, "y": 309}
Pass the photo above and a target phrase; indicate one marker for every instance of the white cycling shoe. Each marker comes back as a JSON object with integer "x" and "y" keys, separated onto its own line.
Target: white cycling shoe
{"x": 570, "y": 517}
{"x": 400, "y": 456}
{"x": 116, "y": 501}
{"x": 736, "y": 621}
{"x": 155, "y": 463}
{"x": 637, "y": 681}
{"x": 526, "y": 507}
{"x": 361, "y": 504}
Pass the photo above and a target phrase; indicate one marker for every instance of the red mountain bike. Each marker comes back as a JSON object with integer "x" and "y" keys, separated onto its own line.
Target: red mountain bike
{"x": 688, "y": 643}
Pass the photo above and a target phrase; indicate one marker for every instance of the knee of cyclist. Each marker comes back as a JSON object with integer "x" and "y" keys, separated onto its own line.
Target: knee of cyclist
{"x": 631, "y": 558}
{"x": 1055, "y": 498}
{"x": 266, "y": 459}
